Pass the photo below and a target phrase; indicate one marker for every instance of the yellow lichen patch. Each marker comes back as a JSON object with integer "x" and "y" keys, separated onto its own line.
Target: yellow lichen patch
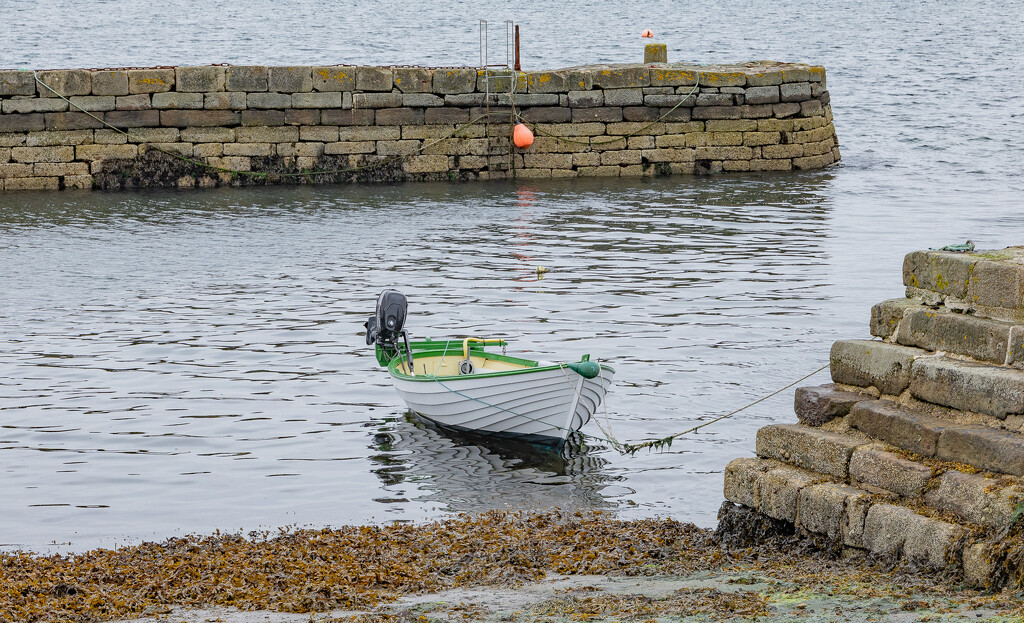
{"x": 719, "y": 78}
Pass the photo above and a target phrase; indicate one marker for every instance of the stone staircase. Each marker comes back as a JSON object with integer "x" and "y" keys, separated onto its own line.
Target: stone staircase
{"x": 916, "y": 451}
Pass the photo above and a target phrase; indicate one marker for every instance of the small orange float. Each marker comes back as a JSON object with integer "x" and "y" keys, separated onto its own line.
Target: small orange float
{"x": 522, "y": 136}
{"x": 647, "y": 34}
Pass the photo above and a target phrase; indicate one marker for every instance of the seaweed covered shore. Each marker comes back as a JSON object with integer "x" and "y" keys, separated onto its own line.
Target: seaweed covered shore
{"x": 381, "y": 573}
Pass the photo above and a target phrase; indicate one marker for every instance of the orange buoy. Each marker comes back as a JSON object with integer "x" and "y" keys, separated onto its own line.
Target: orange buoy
{"x": 647, "y": 34}
{"x": 522, "y": 136}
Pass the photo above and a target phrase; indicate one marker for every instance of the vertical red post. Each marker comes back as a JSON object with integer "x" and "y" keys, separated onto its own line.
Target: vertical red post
{"x": 517, "y": 67}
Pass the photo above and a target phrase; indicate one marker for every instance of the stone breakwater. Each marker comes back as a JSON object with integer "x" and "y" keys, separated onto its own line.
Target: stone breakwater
{"x": 214, "y": 125}
{"x": 916, "y": 450}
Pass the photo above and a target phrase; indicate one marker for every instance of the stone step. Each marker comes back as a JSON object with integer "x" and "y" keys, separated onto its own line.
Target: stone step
{"x": 846, "y": 514}
{"x": 984, "y": 499}
{"x": 870, "y": 363}
{"x": 891, "y": 369}
{"x": 967, "y": 386}
{"x": 988, "y": 282}
{"x": 815, "y": 406}
{"x": 808, "y": 447}
{"x": 909, "y": 323}
{"x": 980, "y": 446}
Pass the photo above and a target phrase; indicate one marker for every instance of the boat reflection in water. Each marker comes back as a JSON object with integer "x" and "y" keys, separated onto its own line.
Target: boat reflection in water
{"x": 473, "y": 473}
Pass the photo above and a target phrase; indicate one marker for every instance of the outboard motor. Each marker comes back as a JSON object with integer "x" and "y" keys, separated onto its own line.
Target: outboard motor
{"x": 388, "y": 324}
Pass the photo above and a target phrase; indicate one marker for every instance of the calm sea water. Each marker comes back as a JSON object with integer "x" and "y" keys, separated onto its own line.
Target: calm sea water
{"x": 176, "y": 362}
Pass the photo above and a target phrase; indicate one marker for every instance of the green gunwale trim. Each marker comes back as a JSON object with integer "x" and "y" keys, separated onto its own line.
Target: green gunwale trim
{"x": 533, "y": 366}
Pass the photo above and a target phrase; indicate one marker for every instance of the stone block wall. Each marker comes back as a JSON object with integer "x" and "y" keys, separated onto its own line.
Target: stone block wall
{"x": 916, "y": 450}
{"x": 213, "y": 125}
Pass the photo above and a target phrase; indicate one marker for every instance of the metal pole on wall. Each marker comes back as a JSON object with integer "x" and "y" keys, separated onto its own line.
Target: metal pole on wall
{"x": 517, "y": 67}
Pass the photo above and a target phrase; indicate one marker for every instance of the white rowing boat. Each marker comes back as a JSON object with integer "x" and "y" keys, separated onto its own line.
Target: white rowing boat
{"x": 461, "y": 385}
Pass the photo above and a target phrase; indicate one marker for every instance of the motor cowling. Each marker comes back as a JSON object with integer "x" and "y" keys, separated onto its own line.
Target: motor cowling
{"x": 392, "y": 309}
{"x": 387, "y": 325}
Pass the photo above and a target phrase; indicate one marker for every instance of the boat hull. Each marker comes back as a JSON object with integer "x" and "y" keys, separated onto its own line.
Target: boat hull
{"x": 542, "y": 405}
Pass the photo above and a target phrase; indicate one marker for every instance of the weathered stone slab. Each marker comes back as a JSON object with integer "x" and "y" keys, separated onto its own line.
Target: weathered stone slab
{"x": 350, "y": 117}
{"x": 882, "y": 419}
{"x": 376, "y": 100}
{"x": 292, "y": 79}
{"x": 66, "y": 82}
{"x": 868, "y": 363}
{"x": 174, "y": 99}
{"x": 968, "y": 386}
{"x": 974, "y": 498}
{"x": 268, "y": 101}
{"x": 104, "y": 152}
{"x": 714, "y": 99}
{"x": 795, "y": 91}
{"x": 201, "y": 79}
{"x": 69, "y": 137}
{"x": 20, "y": 169}
{"x": 197, "y": 118}
{"x": 886, "y": 527}
{"x": 281, "y": 134}
{"x": 139, "y": 101}
{"x": 32, "y": 183}
{"x": 996, "y": 284}
{"x": 762, "y": 95}
{"x": 132, "y": 118}
{"x": 820, "y": 509}
{"x": 623, "y": 97}
{"x": 399, "y": 116}
{"x": 661, "y": 76}
{"x": 93, "y": 103}
{"x": 742, "y": 480}
{"x": 988, "y": 448}
{"x": 17, "y": 83}
{"x": 978, "y": 565}
{"x": 110, "y": 82}
{"x": 962, "y": 334}
{"x": 425, "y": 164}
{"x": 939, "y": 271}
{"x": 150, "y": 80}
{"x": 930, "y": 542}
{"x": 785, "y": 109}
{"x": 22, "y": 123}
{"x": 888, "y": 471}
{"x": 716, "y": 112}
{"x": 815, "y": 406}
{"x": 547, "y": 114}
{"x": 811, "y": 108}
{"x": 422, "y": 100}
{"x": 262, "y": 117}
{"x": 605, "y": 114}
{"x": 334, "y": 78}
{"x": 413, "y": 79}
{"x": 810, "y": 448}
{"x": 454, "y": 81}
{"x": 886, "y": 316}
{"x": 561, "y": 81}
{"x": 586, "y": 99}
{"x": 622, "y": 77}
{"x": 71, "y": 121}
{"x": 249, "y": 78}
{"x": 779, "y": 491}
{"x": 35, "y": 104}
